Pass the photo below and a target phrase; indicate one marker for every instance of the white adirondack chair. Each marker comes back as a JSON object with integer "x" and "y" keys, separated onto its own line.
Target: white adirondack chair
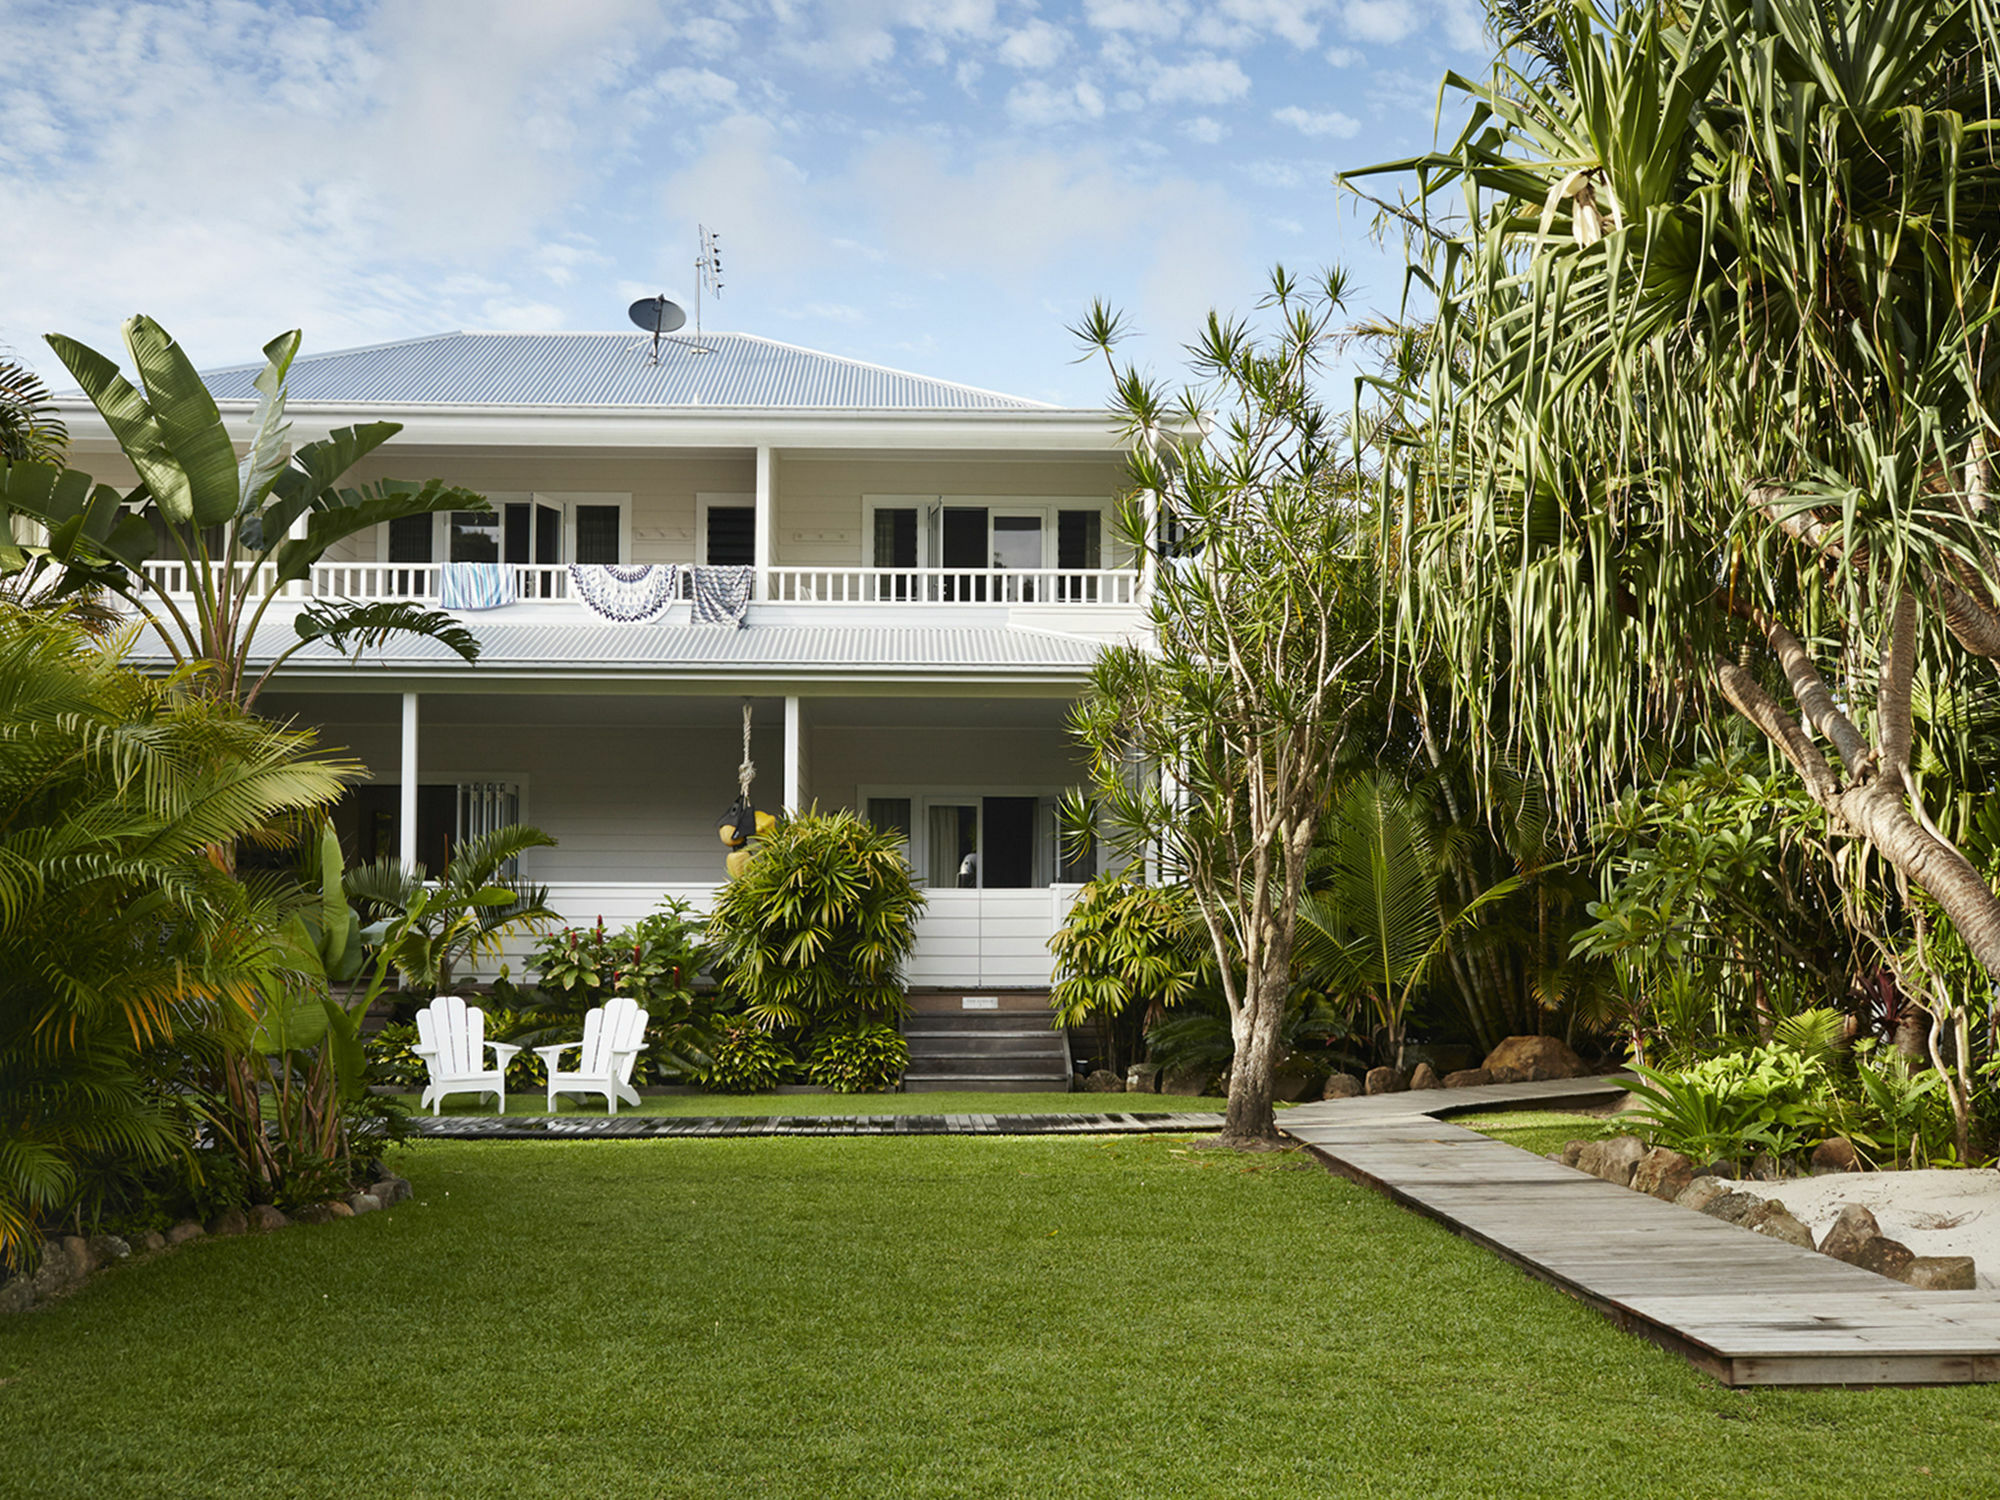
{"x": 451, "y": 1039}
{"x": 614, "y": 1035}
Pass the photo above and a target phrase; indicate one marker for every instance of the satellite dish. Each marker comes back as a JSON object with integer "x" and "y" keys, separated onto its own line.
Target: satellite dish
{"x": 657, "y": 315}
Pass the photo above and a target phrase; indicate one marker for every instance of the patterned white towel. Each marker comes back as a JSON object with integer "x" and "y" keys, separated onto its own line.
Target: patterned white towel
{"x": 721, "y": 595}
{"x": 630, "y": 594}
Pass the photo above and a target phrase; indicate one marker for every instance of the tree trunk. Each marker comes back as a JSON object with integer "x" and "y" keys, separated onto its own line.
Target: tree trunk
{"x": 1250, "y": 1122}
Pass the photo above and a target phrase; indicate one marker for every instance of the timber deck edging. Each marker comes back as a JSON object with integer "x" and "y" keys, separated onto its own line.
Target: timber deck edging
{"x": 1745, "y": 1308}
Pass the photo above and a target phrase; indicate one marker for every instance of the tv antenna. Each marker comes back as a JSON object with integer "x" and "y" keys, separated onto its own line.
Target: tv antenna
{"x": 657, "y": 316}
{"x": 707, "y": 273}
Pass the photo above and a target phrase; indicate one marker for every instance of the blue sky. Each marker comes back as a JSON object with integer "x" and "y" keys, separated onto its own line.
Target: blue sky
{"x": 938, "y": 185}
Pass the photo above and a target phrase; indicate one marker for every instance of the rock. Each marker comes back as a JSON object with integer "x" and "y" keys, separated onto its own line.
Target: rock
{"x": 1186, "y": 1081}
{"x": 184, "y": 1231}
{"x": 152, "y": 1242}
{"x": 108, "y": 1249}
{"x": 1731, "y": 1208}
{"x": 339, "y": 1209}
{"x": 81, "y": 1261}
{"x": 55, "y": 1275}
{"x": 1849, "y": 1233}
{"x": 1836, "y": 1155}
{"x": 1103, "y": 1081}
{"x": 1941, "y": 1273}
{"x": 1342, "y": 1086}
{"x": 1613, "y": 1160}
{"x": 1425, "y": 1077}
{"x": 229, "y": 1221}
{"x": 1885, "y": 1257}
{"x": 1142, "y": 1078}
{"x": 1468, "y": 1078}
{"x": 1290, "y": 1085}
{"x": 1529, "y": 1059}
{"x": 1572, "y": 1153}
{"x": 317, "y": 1213}
{"x": 16, "y": 1295}
{"x": 265, "y": 1216}
{"x": 1701, "y": 1192}
{"x": 1763, "y": 1167}
{"x": 1772, "y": 1218}
{"x": 1726, "y": 1170}
{"x": 393, "y": 1190}
{"x": 1386, "y": 1081}
{"x": 364, "y": 1203}
{"x": 1662, "y": 1173}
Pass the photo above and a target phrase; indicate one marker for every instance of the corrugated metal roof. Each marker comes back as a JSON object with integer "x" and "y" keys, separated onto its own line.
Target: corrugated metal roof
{"x": 700, "y": 650}
{"x": 612, "y": 370}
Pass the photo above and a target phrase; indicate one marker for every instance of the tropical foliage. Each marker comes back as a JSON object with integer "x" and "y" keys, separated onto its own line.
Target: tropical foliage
{"x": 857, "y": 1057}
{"x": 817, "y": 927}
{"x": 131, "y": 965}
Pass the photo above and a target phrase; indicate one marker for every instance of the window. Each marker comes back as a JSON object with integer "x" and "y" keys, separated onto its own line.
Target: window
{"x": 732, "y": 536}
{"x": 597, "y": 533}
{"x": 410, "y": 539}
{"x": 965, "y": 839}
{"x": 896, "y": 537}
{"x": 475, "y": 536}
{"x": 891, "y": 815}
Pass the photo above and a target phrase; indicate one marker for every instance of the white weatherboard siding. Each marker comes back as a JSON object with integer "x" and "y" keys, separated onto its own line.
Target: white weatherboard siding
{"x": 965, "y": 939}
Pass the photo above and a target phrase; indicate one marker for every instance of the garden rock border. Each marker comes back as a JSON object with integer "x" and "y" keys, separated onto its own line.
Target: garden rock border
{"x": 1855, "y": 1237}
{"x": 70, "y": 1260}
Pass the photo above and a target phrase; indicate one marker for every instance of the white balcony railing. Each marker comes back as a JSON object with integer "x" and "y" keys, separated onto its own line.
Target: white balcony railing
{"x": 952, "y": 586}
{"x": 535, "y": 583}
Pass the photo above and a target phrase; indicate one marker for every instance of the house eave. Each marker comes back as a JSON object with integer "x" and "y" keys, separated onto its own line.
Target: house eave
{"x": 500, "y": 427}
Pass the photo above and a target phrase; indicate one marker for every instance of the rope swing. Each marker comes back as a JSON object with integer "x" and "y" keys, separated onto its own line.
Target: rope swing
{"x": 743, "y": 822}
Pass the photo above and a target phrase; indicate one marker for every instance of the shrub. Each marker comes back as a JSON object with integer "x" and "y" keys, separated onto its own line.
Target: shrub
{"x": 862, "y": 1057}
{"x": 745, "y": 1059}
{"x": 654, "y": 961}
{"x": 1771, "y": 1098}
{"x": 817, "y": 926}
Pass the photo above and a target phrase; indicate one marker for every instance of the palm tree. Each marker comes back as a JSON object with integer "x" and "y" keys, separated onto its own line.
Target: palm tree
{"x": 31, "y": 429}
{"x": 426, "y": 928}
{"x": 1710, "y": 404}
{"x": 119, "y": 936}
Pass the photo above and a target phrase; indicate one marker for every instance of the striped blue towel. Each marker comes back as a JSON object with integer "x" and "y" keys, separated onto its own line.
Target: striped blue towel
{"x": 475, "y": 585}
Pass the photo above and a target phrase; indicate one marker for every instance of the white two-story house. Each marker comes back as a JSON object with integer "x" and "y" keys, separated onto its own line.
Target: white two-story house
{"x": 931, "y": 569}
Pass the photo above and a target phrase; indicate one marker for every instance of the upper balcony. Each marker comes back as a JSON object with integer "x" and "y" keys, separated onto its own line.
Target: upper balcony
{"x": 1088, "y": 601}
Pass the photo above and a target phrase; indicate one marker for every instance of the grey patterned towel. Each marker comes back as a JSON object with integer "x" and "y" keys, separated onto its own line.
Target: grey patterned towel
{"x": 721, "y": 595}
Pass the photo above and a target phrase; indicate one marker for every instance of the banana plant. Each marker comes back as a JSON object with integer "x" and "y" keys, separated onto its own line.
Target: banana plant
{"x": 229, "y": 519}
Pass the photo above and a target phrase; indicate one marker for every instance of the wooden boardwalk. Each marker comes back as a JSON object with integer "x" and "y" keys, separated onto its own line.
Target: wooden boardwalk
{"x": 1747, "y": 1309}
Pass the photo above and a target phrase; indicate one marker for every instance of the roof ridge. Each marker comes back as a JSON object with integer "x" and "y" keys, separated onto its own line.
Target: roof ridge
{"x": 868, "y": 364}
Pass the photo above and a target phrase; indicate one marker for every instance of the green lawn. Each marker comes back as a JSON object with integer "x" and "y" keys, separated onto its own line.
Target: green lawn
{"x": 886, "y": 1317}
{"x": 839, "y": 1104}
{"x": 1537, "y": 1130}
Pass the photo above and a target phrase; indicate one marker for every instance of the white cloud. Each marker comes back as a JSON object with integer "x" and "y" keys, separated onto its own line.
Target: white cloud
{"x": 1324, "y": 123}
{"x": 1202, "y": 128}
{"x": 1206, "y": 80}
{"x": 1035, "y": 45}
{"x": 1386, "y": 21}
{"x": 709, "y": 36}
{"x": 695, "y": 87}
{"x": 1036, "y": 103}
{"x": 1155, "y": 18}
{"x": 1344, "y": 57}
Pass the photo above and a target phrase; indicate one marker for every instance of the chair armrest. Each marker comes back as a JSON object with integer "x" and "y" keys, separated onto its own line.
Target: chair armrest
{"x": 504, "y": 1051}
{"x": 548, "y": 1055}
{"x": 428, "y": 1054}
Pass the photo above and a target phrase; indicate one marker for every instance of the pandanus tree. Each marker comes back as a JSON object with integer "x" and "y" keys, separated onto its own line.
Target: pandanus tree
{"x": 1213, "y": 746}
{"x": 241, "y": 526}
{"x": 1710, "y": 400}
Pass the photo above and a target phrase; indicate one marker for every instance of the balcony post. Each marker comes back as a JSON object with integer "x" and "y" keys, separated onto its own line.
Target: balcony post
{"x": 761, "y": 528}
{"x": 1149, "y": 551}
{"x": 406, "y": 827}
{"x": 795, "y": 771}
